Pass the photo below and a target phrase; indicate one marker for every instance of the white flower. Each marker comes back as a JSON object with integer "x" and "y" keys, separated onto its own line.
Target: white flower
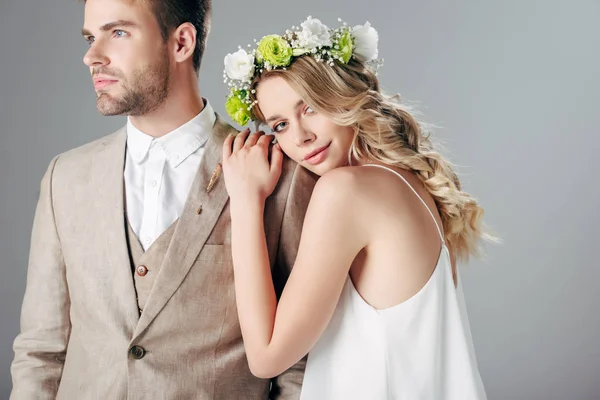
{"x": 365, "y": 42}
{"x": 314, "y": 34}
{"x": 239, "y": 65}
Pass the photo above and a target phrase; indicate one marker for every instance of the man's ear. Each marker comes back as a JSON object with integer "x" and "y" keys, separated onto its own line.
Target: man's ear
{"x": 185, "y": 42}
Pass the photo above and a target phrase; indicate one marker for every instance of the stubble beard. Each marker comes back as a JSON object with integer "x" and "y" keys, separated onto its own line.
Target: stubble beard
{"x": 144, "y": 92}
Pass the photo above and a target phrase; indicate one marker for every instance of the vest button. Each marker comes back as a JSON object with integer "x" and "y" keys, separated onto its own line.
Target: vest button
{"x": 137, "y": 352}
{"x": 142, "y": 270}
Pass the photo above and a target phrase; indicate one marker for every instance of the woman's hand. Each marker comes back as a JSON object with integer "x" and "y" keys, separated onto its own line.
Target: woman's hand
{"x": 249, "y": 174}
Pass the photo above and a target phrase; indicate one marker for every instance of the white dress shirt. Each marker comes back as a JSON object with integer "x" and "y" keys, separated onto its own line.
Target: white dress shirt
{"x": 159, "y": 172}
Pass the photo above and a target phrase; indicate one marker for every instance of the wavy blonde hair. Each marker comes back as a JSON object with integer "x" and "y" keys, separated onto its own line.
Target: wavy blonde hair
{"x": 386, "y": 131}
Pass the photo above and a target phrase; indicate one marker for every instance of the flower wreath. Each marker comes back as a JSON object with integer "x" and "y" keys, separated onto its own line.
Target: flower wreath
{"x": 274, "y": 51}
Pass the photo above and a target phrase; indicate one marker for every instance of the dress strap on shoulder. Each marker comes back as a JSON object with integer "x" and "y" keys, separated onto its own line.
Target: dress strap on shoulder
{"x": 416, "y": 194}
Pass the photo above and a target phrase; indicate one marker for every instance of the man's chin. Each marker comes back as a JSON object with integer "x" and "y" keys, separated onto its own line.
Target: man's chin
{"x": 108, "y": 106}
{"x": 110, "y": 112}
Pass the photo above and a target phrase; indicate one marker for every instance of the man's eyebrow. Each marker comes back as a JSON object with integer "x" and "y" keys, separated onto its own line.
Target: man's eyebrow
{"x": 274, "y": 117}
{"x": 110, "y": 26}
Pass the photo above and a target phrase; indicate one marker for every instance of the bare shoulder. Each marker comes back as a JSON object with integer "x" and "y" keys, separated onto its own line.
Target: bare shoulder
{"x": 340, "y": 193}
{"x": 360, "y": 183}
{"x": 372, "y": 191}
{"x": 396, "y": 183}
{"x": 400, "y": 193}
{"x": 337, "y": 207}
{"x": 339, "y": 184}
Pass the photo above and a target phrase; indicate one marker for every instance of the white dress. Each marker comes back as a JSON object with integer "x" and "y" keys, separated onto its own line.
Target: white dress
{"x": 420, "y": 349}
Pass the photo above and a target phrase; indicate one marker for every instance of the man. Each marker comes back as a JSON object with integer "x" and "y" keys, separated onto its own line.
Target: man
{"x": 130, "y": 285}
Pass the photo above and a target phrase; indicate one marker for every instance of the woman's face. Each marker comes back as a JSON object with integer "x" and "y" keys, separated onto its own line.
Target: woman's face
{"x": 311, "y": 139}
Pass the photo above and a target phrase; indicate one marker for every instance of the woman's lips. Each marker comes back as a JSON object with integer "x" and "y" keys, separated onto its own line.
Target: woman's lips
{"x": 317, "y": 156}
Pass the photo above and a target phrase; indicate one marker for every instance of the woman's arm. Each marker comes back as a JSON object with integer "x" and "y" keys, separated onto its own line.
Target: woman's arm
{"x": 277, "y": 336}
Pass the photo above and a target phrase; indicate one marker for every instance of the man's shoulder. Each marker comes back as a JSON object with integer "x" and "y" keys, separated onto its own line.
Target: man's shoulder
{"x": 298, "y": 174}
{"x": 296, "y": 181}
{"x": 93, "y": 147}
{"x": 222, "y": 128}
{"x": 73, "y": 165}
{"x": 86, "y": 152}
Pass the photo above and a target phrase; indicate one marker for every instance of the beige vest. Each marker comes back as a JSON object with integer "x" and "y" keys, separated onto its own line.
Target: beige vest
{"x": 146, "y": 265}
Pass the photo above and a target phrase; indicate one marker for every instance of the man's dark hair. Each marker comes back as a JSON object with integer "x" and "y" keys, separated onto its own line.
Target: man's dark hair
{"x": 172, "y": 13}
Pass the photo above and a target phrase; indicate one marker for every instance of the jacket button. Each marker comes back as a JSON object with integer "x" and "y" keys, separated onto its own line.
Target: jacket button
{"x": 142, "y": 270}
{"x": 137, "y": 352}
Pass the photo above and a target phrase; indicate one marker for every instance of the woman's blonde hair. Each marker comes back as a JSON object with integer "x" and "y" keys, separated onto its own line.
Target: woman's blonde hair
{"x": 386, "y": 131}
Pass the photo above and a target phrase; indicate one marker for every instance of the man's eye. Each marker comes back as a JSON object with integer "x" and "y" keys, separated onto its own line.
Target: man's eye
{"x": 90, "y": 40}
{"x": 120, "y": 33}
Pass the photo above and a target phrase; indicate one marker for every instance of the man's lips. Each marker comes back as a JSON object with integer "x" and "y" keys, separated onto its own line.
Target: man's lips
{"x": 101, "y": 82}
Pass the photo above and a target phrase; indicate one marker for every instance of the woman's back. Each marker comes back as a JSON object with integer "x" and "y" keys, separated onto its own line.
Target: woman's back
{"x": 401, "y": 332}
{"x": 404, "y": 241}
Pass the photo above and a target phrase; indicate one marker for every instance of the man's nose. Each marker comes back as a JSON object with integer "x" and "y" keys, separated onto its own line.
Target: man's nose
{"x": 95, "y": 56}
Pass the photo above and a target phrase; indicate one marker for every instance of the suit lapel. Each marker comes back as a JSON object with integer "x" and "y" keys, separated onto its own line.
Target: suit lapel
{"x": 203, "y": 207}
{"x": 108, "y": 205}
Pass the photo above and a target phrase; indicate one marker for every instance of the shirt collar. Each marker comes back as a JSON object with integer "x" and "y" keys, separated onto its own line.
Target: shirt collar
{"x": 178, "y": 144}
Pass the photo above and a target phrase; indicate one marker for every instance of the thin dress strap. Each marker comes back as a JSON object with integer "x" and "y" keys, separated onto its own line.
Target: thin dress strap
{"x": 416, "y": 194}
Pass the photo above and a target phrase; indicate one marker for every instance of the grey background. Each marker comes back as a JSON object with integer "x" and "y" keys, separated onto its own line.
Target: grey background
{"x": 513, "y": 84}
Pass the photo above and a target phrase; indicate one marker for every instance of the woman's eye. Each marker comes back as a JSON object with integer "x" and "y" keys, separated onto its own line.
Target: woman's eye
{"x": 279, "y": 127}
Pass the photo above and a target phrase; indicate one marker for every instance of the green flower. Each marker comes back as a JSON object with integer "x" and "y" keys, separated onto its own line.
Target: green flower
{"x": 275, "y": 50}
{"x": 237, "y": 108}
{"x": 343, "y": 46}
{"x": 299, "y": 51}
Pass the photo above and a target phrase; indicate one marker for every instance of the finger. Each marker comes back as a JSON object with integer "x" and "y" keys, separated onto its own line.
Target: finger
{"x": 276, "y": 159}
{"x": 253, "y": 138}
{"x": 240, "y": 139}
{"x": 263, "y": 144}
{"x": 264, "y": 141}
{"x": 227, "y": 147}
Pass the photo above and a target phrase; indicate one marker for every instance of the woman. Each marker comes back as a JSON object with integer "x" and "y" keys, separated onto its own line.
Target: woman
{"x": 374, "y": 294}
